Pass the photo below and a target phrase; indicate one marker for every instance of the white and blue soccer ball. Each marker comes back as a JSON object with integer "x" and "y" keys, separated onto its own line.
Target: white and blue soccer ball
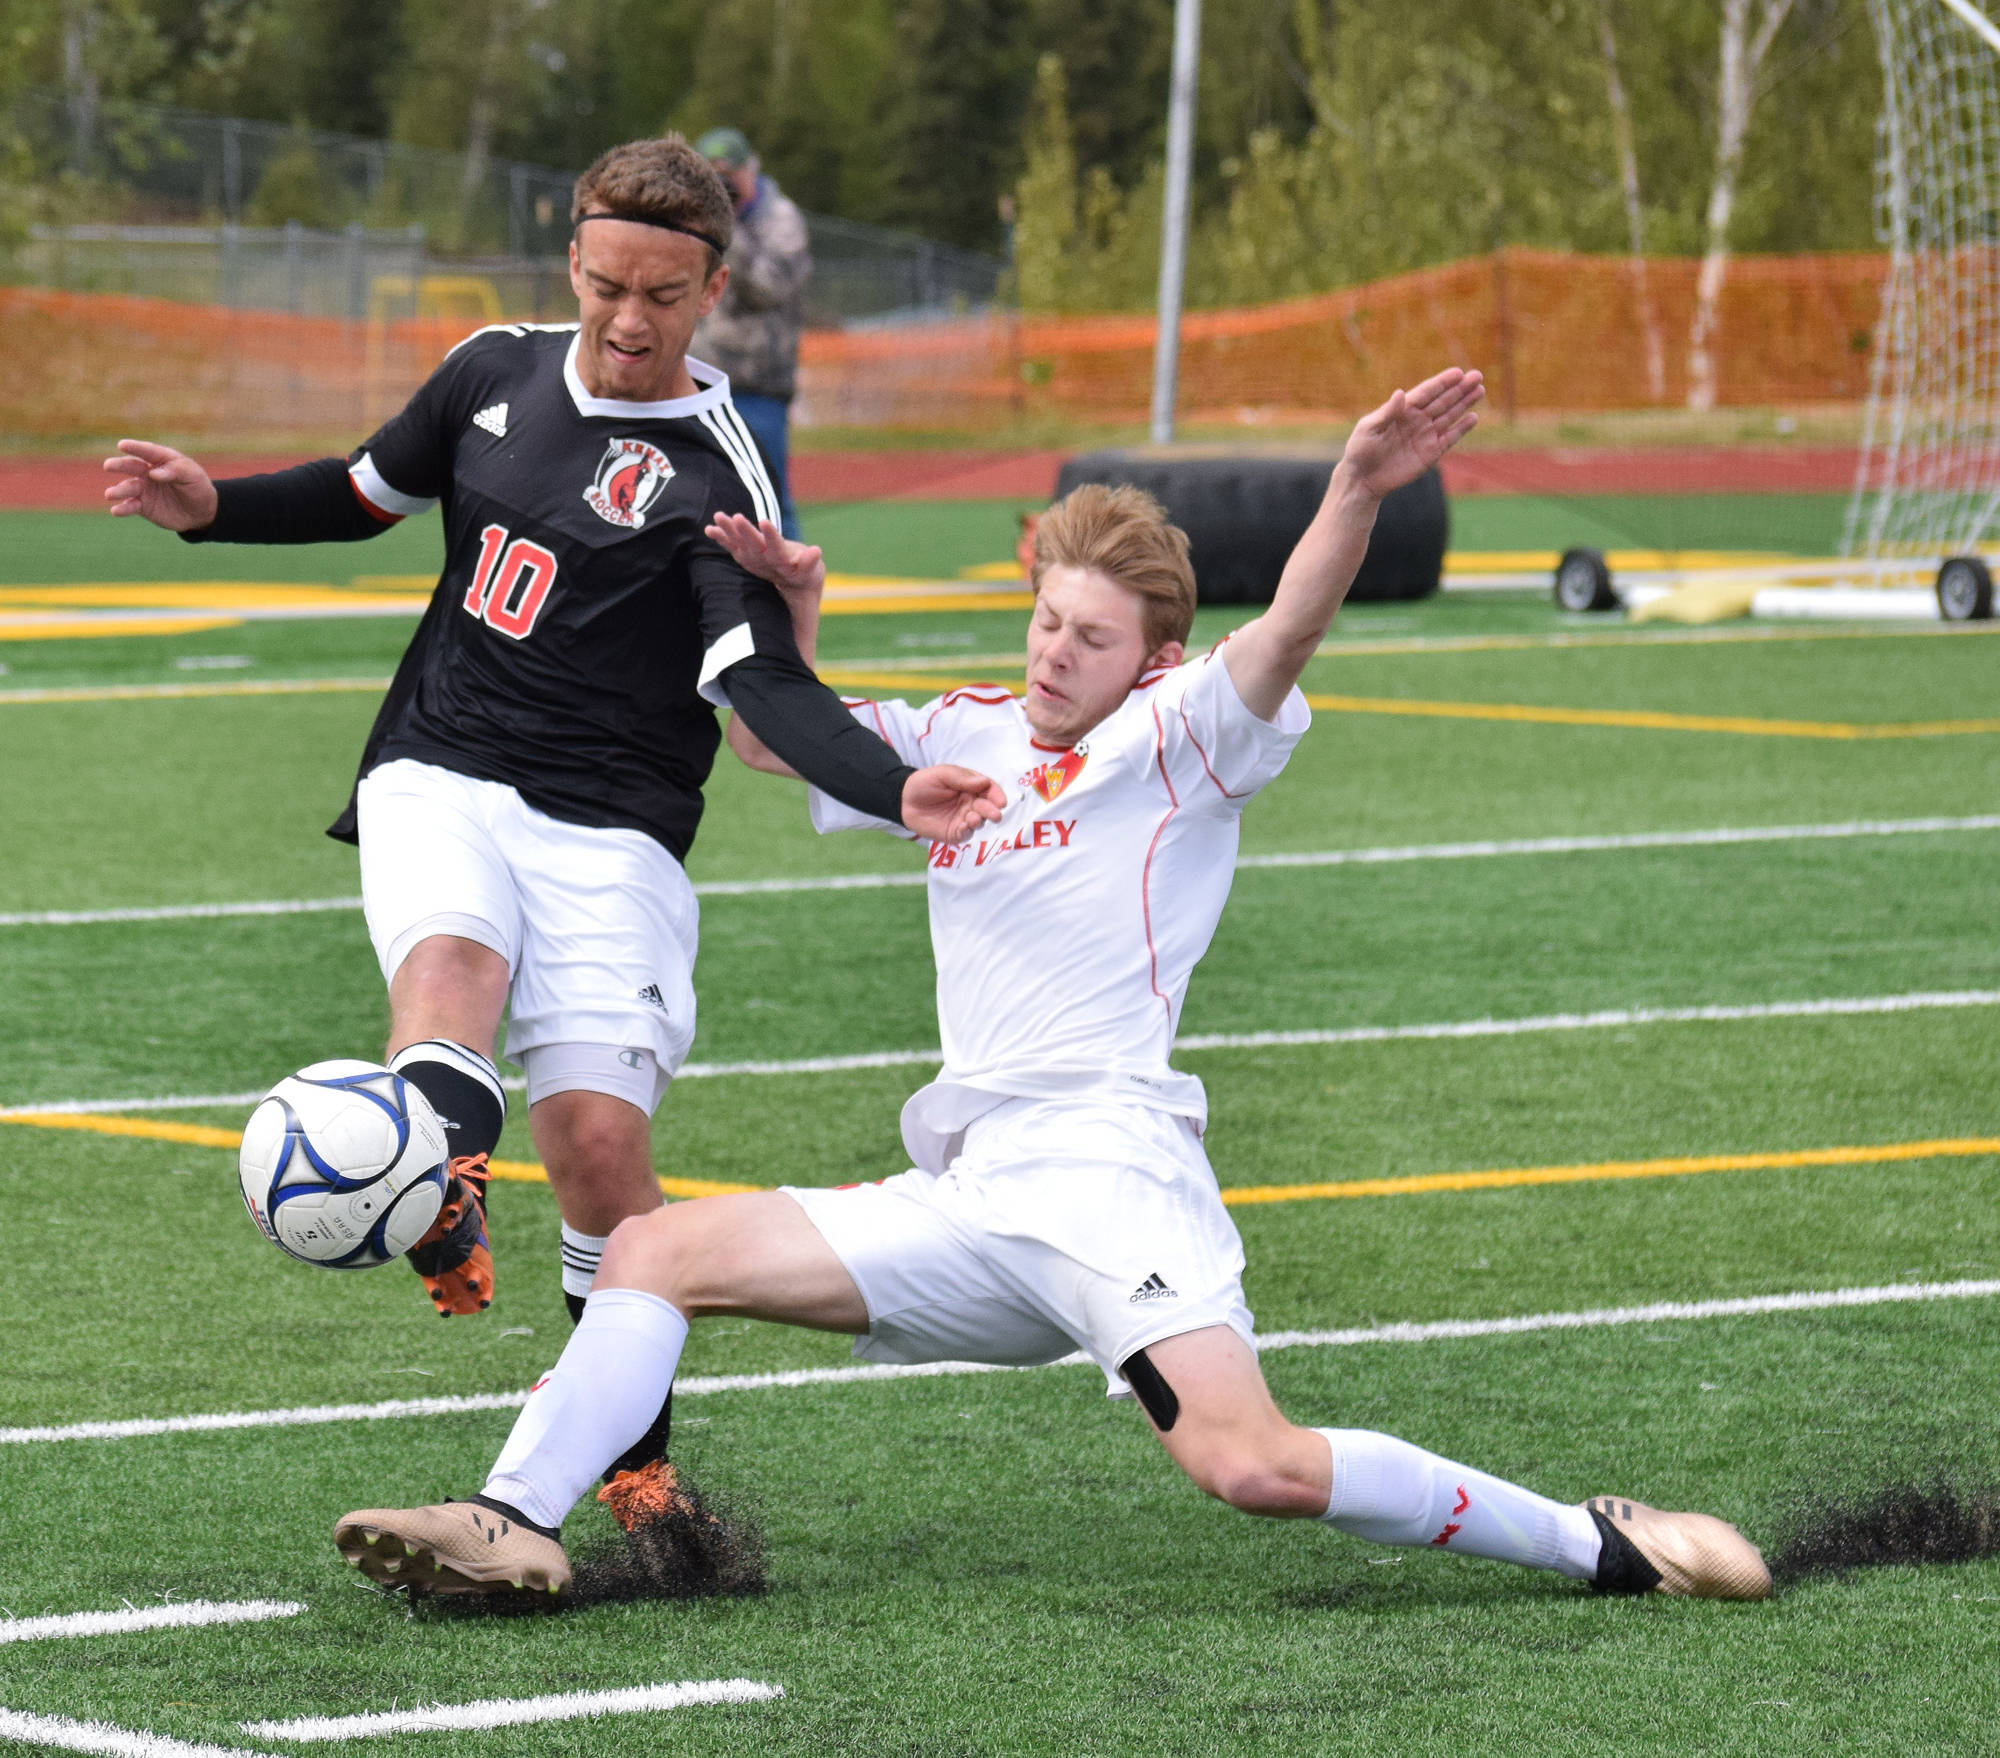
{"x": 344, "y": 1165}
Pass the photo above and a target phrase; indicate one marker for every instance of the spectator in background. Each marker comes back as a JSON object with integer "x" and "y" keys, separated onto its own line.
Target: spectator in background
{"x": 753, "y": 334}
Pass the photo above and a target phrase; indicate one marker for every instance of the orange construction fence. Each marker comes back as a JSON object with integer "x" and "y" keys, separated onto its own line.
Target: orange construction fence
{"x": 1553, "y": 331}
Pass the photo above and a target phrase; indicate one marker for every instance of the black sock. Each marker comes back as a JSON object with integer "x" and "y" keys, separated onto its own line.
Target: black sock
{"x": 463, "y": 1088}
{"x": 650, "y": 1446}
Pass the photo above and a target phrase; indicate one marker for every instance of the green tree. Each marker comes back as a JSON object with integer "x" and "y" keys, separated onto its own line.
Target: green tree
{"x": 954, "y": 97}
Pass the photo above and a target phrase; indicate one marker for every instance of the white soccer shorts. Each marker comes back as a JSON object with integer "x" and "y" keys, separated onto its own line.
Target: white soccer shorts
{"x": 1063, "y": 1225}
{"x": 598, "y": 926}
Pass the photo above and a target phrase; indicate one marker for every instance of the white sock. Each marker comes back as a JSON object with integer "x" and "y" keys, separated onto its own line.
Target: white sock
{"x": 581, "y": 1254}
{"x": 1393, "y": 1493}
{"x": 592, "y": 1405}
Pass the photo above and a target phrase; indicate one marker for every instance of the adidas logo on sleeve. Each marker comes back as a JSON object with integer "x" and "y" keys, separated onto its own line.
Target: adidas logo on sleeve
{"x": 494, "y": 420}
{"x": 1153, "y": 1288}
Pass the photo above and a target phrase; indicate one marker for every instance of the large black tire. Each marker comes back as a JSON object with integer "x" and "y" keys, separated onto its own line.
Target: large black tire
{"x": 1244, "y": 514}
{"x": 1965, "y": 590}
{"x": 1583, "y": 582}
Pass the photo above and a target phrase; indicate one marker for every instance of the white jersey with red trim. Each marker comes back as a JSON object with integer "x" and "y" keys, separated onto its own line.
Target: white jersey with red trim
{"x": 1066, "y": 933}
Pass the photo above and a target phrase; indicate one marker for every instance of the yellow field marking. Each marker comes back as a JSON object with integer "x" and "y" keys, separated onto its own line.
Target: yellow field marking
{"x": 863, "y": 605}
{"x": 175, "y": 692}
{"x": 202, "y": 1135}
{"x": 1522, "y": 561}
{"x": 103, "y": 628}
{"x": 202, "y": 595}
{"x": 1508, "y": 1177}
{"x": 1499, "y": 1178}
{"x": 198, "y": 1135}
{"x": 842, "y": 679}
{"x": 1650, "y": 720}
{"x": 533, "y": 1172}
{"x": 1007, "y": 570}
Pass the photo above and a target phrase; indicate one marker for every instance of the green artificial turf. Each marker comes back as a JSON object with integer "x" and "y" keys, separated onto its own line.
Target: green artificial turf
{"x": 1791, "y": 524}
{"x": 1007, "y": 1564}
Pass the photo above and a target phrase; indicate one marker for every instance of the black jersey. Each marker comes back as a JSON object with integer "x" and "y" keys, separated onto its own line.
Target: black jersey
{"x": 574, "y": 645}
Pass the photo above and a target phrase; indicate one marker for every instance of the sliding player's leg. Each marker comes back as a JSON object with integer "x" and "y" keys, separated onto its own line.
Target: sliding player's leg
{"x": 1205, "y": 1395}
{"x": 750, "y": 1256}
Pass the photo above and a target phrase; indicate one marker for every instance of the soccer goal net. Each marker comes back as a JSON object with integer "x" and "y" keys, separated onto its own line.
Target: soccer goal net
{"x": 1927, "y": 487}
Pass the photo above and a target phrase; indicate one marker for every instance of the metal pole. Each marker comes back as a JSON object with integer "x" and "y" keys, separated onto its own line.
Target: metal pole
{"x": 1174, "y": 223}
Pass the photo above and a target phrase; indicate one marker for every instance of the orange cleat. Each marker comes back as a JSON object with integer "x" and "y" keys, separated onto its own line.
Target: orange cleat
{"x": 453, "y": 1258}
{"x": 636, "y": 1498}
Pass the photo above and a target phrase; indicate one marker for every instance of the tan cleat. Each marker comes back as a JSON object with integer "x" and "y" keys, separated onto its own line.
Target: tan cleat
{"x": 456, "y": 1547}
{"x": 1692, "y": 1556}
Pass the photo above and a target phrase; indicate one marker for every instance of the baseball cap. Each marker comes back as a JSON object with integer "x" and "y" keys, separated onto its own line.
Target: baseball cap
{"x": 726, "y": 147}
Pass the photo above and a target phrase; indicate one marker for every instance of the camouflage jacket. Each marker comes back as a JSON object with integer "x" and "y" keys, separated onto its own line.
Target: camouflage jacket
{"x": 753, "y": 335}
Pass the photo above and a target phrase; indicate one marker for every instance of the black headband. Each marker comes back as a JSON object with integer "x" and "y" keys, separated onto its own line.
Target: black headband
{"x": 662, "y": 225}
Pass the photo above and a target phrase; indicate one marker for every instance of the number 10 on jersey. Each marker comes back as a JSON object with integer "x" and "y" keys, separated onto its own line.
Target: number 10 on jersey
{"x": 510, "y": 582}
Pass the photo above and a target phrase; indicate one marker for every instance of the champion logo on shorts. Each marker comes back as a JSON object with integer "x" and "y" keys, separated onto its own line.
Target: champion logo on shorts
{"x": 1151, "y": 1289}
{"x": 652, "y": 997}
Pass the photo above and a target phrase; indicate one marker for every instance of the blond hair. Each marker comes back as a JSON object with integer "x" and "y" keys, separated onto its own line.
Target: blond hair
{"x": 1123, "y": 534}
{"x": 664, "y": 181}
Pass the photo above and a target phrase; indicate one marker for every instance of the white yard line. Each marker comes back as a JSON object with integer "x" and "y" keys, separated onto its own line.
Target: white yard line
{"x": 1352, "y": 857}
{"x": 104, "y": 1740}
{"x": 1918, "y": 1002}
{"x": 515, "y": 1711}
{"x": 1839, "y": 1006}
{"x": 178, "y": 912}
{"x": 152, "y": 1617}
{"x": 1573, "y": 845}
{"x": 1435, "y": 1331}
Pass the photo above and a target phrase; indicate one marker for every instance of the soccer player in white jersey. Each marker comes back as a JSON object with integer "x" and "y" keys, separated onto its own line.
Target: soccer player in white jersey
{"x": 1059, "y": 1198}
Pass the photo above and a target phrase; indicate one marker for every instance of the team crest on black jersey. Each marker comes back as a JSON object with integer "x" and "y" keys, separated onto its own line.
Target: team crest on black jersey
{"x": 630, "y": 476}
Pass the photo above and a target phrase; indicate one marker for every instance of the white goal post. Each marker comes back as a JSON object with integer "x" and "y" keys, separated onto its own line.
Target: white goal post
{"x": 1927, "y": 487}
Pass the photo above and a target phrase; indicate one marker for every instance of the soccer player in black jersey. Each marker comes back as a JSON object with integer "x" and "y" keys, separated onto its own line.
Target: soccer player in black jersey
{"x": 533, "y": 780}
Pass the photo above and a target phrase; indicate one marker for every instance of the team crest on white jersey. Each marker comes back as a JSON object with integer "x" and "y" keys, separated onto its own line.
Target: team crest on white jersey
{"x": 629, "y": 478}
{"x": 1049, "y": 779}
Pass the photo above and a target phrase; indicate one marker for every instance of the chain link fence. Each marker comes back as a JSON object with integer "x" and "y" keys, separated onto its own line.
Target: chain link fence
{"x": 257, "y": 216}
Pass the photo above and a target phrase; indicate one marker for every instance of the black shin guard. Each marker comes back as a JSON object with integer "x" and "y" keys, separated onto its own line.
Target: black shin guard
{"x": 463, "y": 1088}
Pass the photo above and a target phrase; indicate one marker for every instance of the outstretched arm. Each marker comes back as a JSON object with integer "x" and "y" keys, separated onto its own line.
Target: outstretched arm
{"x": 1388, "y": 448}
{"x": 161, "y": 485}
{"x": 309, "y": 503}
{"x": 944, "y": 802}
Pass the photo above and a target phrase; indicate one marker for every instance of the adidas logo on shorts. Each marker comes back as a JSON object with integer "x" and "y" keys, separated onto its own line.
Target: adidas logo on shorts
{"x": 494, "y": 420}
{"x": 1151, "y": 1289}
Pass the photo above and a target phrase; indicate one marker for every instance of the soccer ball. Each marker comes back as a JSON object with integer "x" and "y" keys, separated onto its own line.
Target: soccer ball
{"x": 343, "y": 1165}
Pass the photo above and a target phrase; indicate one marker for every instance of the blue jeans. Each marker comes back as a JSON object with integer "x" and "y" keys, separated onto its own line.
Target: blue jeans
{"x": 768, "y": 419}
